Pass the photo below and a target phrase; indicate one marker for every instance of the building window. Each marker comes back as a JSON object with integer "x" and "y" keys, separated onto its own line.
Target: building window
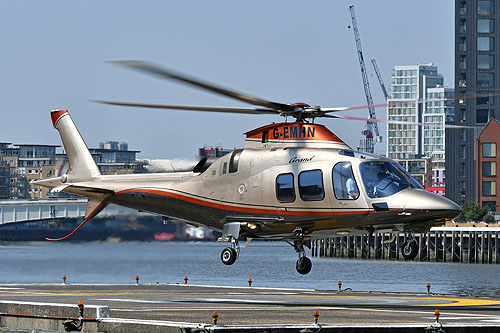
{"x": 311, "y": 185}
{"x": 485, "y": 26}
{"x": 485, "y": 80}
{"x": 489, "y": 188}
{"x": 485, "y": 7}
{"x": 485, "y": 100}
{"x": 344, "y": 184}
{"x": 485, "y": 43}
{"x": 462, "y": 81}
{"x": 463, "y": 134}
{"x": 462, "y": 45}
{"x": 285, "y": 191}
{"x": 462, "y": 188}
{"x": 462, "y": 62}
{"x": 484, "y": 115}
{"x": 462, "y": 26}
{"x": 489, "y": 169}
{"x": 462, "y": 152}
{"x": 485, "y": 61}
{"x": 492, "y": 205}
{"x": 489, "y": 149}
{"x": 462, "y": 170}
{"x": 462, "y": 9}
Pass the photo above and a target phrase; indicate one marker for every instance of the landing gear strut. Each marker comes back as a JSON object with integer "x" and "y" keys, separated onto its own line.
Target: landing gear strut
{"x": 303, "y": 264}
{"x": 409, "y": 249}
{"x": 230, "y": 233}
{"x": 230, "y": 254}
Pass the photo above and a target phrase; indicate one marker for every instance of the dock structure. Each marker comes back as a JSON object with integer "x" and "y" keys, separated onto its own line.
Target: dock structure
{"x": 22, "y": 211}
{"x": 478, "y": 245}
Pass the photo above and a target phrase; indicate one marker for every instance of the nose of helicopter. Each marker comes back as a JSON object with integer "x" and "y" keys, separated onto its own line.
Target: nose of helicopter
{"x": 440, "y": 207}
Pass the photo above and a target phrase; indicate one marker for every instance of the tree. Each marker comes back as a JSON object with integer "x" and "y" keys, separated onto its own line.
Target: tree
{"x": 488, "y": 218}
{"x": 472, "y": 212}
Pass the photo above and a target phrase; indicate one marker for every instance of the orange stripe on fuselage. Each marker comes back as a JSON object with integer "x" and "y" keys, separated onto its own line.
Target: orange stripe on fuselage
{"x": 236, "y": 208}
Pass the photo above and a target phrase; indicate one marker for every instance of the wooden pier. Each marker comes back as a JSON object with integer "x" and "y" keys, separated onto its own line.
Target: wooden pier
{"x": 443, "y": 244}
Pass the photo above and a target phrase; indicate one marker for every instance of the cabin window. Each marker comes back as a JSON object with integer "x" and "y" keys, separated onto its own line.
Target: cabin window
{"x": 311, "y": 185}
{"x": 234, "y": 161}
{"x": 224, "y": 168}
{"x": 344, "y": 184}
{"x": 285, "y": 191}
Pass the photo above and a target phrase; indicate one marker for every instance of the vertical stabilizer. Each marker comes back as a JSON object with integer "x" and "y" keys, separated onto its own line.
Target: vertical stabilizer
{"x": 82, "y": 165}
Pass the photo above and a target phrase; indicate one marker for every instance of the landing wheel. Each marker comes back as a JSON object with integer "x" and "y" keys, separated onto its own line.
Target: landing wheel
{"x": 228, "y": 256}
{"x": 304, "y": 265}
{"x": 409, "y": 250}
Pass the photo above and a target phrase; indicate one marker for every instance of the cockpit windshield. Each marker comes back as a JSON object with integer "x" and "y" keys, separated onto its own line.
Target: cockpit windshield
{"x": 414, "y": 182}
{"x": 382, "y": 179}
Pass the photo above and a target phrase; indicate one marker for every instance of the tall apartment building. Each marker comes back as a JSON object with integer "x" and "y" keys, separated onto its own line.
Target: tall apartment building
{"x": 439, "y": 108}
{"x": 477, "y": 75}
{"x": 418, "y": 95}
{"x": 408, "y": 90}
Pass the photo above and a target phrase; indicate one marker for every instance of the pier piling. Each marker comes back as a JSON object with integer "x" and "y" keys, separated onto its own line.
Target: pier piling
{"x": 439, "y": 245}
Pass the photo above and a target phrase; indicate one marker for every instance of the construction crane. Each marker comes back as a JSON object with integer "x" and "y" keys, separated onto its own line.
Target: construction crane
{"x": 371, "y": 131}
{"x": 379, "y": 77}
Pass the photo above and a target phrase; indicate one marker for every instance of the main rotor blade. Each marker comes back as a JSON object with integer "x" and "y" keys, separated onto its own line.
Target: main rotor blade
{"x": 193, "y": 108}
{"x": 397, "y": 122}
{"x": 176, "y": 76}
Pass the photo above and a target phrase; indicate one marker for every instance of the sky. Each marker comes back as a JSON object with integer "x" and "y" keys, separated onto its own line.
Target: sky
{"x": 55, "y": 55}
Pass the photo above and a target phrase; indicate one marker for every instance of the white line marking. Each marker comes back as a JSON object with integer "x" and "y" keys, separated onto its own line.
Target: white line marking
{"x": 129, "y": 300}
{"x": 228, "y": 300}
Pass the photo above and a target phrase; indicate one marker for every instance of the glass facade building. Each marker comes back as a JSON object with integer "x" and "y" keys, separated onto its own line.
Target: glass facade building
{"x": 408, "y": 93}
{"x": 476, "y": 76}
{"x": 418, "y": 95}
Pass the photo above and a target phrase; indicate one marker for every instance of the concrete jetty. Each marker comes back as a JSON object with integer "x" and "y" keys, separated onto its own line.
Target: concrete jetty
{"x": 188, "y": 308}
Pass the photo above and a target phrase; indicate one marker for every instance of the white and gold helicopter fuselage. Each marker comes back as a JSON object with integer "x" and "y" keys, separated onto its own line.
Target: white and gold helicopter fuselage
{"x": 291, "y": 181}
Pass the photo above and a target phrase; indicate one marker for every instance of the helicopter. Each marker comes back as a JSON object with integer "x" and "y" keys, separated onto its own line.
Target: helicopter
{"x": 292, "y": 181}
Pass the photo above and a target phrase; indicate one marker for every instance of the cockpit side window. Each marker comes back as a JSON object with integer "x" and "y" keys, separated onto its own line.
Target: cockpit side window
{"x": 344, "y": 183}
{"x": 382, "y": 179}
{"x": 311, "y": 185}
{"x": 285, "y": 190}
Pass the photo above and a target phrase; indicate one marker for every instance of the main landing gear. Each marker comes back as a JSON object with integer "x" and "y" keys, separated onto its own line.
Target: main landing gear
{"x": 303, "y": 264}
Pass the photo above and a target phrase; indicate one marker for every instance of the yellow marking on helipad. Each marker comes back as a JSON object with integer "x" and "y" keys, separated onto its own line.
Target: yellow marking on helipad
{"x": 461, "y": 302}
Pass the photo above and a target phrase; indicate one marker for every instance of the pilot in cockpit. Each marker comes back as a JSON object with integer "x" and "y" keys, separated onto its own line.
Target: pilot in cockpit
{"x": 352, "y": 189}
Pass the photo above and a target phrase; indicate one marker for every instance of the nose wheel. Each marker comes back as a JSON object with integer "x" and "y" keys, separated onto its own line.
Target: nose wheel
{"x": 409, "y": 250}
{"x": 230, "y": 254}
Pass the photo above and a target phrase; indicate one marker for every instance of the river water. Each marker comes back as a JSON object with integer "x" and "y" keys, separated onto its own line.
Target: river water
{"x": 267, "y": 264}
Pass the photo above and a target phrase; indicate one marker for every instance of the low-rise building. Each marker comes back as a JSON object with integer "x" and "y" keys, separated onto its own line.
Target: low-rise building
{"x": 488, "y": 180}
